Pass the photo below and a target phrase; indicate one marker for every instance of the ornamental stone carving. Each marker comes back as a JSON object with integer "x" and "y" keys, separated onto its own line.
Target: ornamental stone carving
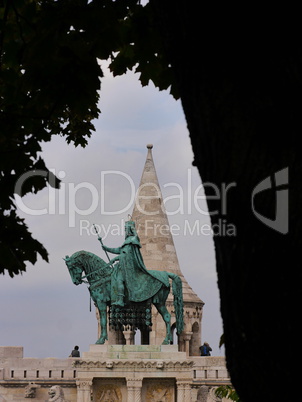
{"x": 84, "y": 384}
{"x": 167, "y": 364}
{"x": 159, "y": 393}
{"x": 56, "y": 394}
{"x": 30, "y": 390}
{"x": 109, "y": 364}
{"x": 202, "y": 394}
{"x": 109, "y": 393}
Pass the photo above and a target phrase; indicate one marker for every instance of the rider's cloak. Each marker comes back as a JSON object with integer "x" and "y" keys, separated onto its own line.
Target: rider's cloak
{"x": 141, "y": 284}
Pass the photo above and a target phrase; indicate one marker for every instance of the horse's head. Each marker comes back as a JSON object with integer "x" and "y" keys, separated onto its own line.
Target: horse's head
{"x": 75, "y": 270}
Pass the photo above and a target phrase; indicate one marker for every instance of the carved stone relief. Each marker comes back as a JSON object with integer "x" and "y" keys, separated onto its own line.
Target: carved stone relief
{"x": 109, "y": 393}
{"x": 202, "y": 394}
{"x": 158, "y": 390}
{"x": 109, "y": 390}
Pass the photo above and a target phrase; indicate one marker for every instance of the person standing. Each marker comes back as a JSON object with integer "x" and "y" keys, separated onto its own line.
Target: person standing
{"x": 205, "y": 349}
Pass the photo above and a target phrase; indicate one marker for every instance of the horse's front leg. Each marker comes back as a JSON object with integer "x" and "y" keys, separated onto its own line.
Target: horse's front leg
{"x": 102, "y": 307}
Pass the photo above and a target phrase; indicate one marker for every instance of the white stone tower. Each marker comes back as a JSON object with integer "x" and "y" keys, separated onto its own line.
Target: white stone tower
{"x": 159, "y": 253}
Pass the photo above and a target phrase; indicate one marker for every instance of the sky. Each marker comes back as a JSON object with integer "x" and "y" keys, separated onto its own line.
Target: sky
{"x": 42, "y": 310}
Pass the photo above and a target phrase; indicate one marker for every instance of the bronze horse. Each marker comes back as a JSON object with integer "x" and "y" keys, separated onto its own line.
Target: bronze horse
{"x": 87, "y": 267}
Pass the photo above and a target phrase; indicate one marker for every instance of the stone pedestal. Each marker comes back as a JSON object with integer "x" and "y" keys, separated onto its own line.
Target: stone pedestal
{"x": 133, "y": 373}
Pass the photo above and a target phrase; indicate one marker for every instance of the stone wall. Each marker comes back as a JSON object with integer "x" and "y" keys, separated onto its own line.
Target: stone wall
{"x": 208, "y": 374}
{"x": 116, "y": 370}
{"x": 16, "y": 373}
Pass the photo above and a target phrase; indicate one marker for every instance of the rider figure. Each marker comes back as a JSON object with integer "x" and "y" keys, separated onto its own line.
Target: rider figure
{"x": 130, "y": 274}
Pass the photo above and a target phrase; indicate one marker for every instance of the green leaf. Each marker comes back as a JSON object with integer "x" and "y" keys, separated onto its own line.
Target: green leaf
{"x": 221, "y": 341}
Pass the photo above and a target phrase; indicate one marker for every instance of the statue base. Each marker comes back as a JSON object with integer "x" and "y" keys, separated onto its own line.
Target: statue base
{"x": 134, "y": 373}
{"x": 134, "y": 352}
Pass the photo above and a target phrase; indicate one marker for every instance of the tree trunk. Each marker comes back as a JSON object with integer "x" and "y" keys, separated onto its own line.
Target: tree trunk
{"x": 240, "y": 87}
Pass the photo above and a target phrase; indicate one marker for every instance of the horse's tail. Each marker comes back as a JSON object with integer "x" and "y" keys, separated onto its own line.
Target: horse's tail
{"x": 178, "y": 301}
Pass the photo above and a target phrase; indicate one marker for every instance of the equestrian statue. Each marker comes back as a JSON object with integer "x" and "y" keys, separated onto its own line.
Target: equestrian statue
{"x": 127, "y": 287}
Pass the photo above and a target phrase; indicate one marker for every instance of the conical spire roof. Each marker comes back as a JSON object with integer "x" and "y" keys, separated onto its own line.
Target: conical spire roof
{"x": 152, "y": 224}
